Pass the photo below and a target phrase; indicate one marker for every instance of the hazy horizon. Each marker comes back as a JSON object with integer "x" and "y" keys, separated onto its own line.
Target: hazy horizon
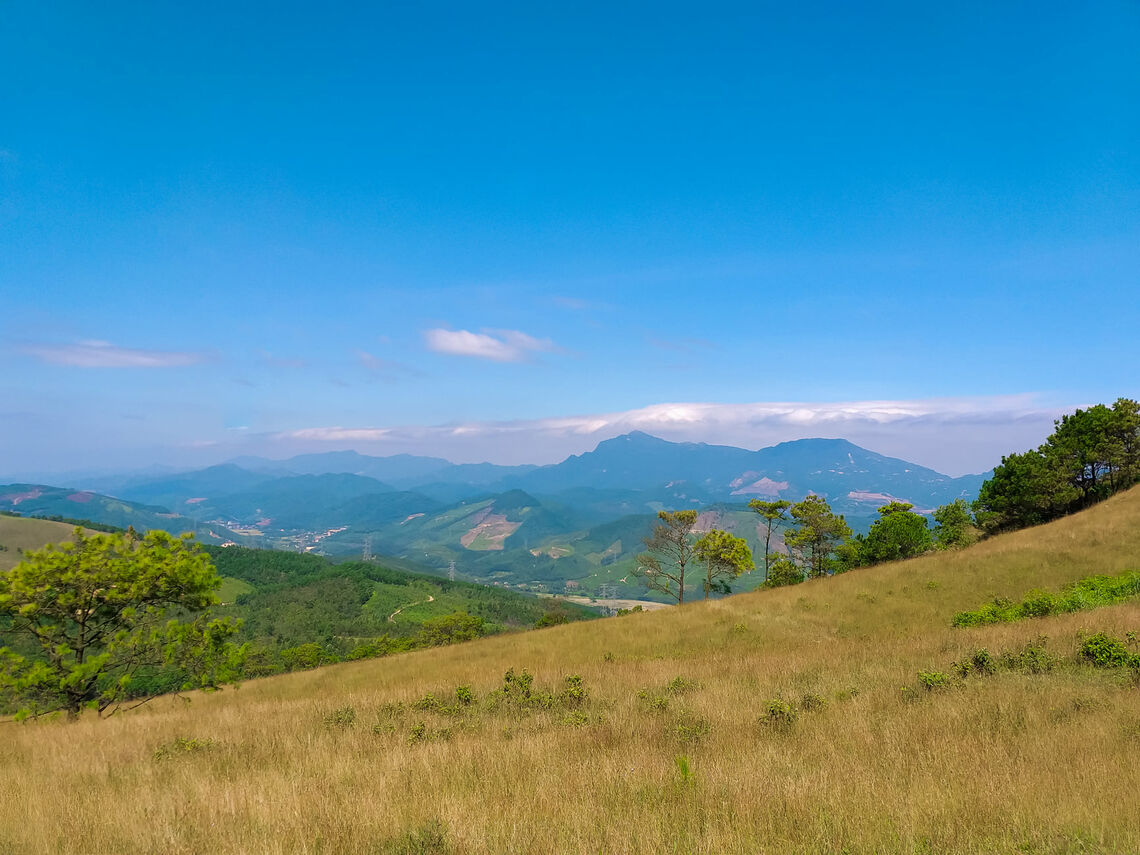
{"x": 913, "y": 431}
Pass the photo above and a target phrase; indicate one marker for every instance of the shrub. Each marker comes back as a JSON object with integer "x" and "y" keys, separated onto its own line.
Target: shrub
{"x": 979, "y": 662}
{"x": 450, "y": 629}
{"x": 182, "y": 746}
{"x": 429, "y": 703}
{"x": 1107, "y": 651}
{"x": 779, "y": 715}
{"x": 1087, "y": 593}
{"x": 684, "y": 770}
{"x": 340, "y": 719}
{"x": 810, "y": 702}
{"x": 575, "y": 691}
{"x": 575, "y": 718}
{"x": 655, "y": 702}
{"x": 689, "y": 727}
{"x": 428, "y": 839}
{"x": 934, "y": 681}
{"x": 518, "y": 693}
{"x": 305, "y": 656}
{"x": 1032, "y": 658}
{"x": 680, "y": 685}
{"x": 783, "y": 571}
{"x": 552, "y": 618}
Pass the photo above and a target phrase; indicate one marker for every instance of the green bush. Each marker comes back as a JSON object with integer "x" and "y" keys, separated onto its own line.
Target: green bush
{"x": 690, "y": 727}
{"x": 1033, "y": 658}
{"x": 684, "y": 770}
{"x": 782, "y": 572}
{"x": 680, "y": 685}
{"x": 934, "y": 681}
{"x": 575, "y": 692}
{"x": 1087, "y": 593}
{"x": 428, "y": 839}
{"x": 779, "y": 715}
{"x": 340, "y": 719}
{"x": 1107, "y": 651}
{"x": 655, "y": 701}
{"x": 979, "y": 662}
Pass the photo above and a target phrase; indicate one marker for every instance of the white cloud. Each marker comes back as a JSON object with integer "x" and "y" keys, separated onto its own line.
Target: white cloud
{"x": 953, "y": 435}
{"x": 336, "y": 434}
{"x": 103, "y": 354}
{"x": 496, "y": 345}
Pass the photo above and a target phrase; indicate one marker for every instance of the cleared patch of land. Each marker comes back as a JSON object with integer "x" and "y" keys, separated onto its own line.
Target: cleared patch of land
{"x": 356, "y": 759}
{"x": 489, "y": 532}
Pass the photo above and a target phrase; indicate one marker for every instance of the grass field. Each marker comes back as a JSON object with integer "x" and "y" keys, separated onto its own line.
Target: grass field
{"x": 22, "y": 534}
{"x": 351, "y": 759}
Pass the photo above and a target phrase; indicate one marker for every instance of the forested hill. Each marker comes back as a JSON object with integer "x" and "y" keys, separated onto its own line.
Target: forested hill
{"x": 302, "y": 610}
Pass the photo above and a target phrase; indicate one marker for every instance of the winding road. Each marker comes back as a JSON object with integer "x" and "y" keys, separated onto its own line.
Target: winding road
{"x": 392, "y": 617}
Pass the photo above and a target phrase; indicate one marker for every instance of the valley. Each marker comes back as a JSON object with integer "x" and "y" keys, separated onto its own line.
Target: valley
{"x": 571, "y": 527}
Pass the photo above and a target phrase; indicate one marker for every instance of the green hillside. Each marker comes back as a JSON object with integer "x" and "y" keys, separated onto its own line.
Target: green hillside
{"x": 285, "y": 600}
{"x": 41, "y": 500}
{"x": 23, "y": 534}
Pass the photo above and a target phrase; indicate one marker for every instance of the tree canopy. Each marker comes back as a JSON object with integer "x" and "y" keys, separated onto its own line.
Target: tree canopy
{"x": 92, "y": 618}
{"x": 725, "y": 557}
{"x": 897, "y": 533}
{"x": 817, "y": 534}
{"x": 1090, "y": 455}
{"x": 670, "y": 551}
{"x": 954, "y": 525}
{"x": 774, "y": 514}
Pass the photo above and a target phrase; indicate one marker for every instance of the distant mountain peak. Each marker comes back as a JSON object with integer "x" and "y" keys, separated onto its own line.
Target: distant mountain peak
{"x": 636, "y": 439}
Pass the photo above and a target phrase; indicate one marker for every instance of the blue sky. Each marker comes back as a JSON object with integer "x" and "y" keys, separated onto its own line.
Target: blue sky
{"x": 509, "y": 231}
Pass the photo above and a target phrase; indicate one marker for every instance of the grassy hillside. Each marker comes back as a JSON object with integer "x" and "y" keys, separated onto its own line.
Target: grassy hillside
{"x": 681, "y": 745}
{"x": 40, "y": 500}
{"x": 21, "y": 534}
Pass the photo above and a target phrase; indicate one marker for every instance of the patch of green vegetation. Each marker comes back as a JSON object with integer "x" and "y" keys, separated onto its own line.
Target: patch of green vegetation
{"x": 301, "y": 611}
{"x": 232, "y": 589}
{"x": 182, "y": 746}
{"x": 1107, "y": 651}
{"x": 427, "y": 839}
{"x": 1087, "y": 593}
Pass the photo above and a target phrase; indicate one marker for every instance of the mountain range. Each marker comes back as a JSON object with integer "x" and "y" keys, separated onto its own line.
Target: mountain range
{"x": 577, "y": 523}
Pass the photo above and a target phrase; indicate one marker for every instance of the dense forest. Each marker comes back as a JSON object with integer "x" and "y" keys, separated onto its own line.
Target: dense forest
{"x": 299, "y": 610}
{"x": 1090, "y": 455}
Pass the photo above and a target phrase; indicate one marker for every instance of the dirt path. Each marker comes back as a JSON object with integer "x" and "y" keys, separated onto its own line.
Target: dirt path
{"x": 392, "y": 617}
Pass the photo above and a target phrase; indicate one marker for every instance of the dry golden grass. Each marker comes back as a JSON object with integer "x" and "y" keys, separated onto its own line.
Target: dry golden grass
{"x": 1013, "y": 763}
{"x": 25, "y": 533}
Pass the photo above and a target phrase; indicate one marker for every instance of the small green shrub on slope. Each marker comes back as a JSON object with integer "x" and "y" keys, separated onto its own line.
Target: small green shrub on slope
{"x": 1087, "y": 593}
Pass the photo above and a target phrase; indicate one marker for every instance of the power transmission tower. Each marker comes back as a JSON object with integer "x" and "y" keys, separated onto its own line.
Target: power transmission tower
{"x": 451, "y": 571}
{"x": 367, "y": 556}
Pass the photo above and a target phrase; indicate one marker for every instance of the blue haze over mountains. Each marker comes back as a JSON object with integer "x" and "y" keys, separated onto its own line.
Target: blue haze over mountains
{"x": 575, "y": 520}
